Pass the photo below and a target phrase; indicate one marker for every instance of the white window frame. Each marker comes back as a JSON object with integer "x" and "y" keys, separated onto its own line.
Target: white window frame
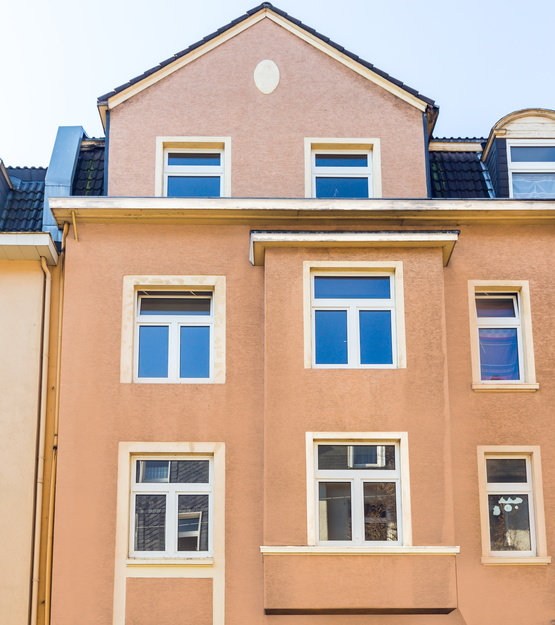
{"x": 531, "y": 167}
{"x": 357, "y": 478}
{"x": 484, "y": 323}
{"x": 342, "y": 172}
{"x": 190, "y": 170}
{"x": 174, "y": 323}
{"x": 533, "y": 488}
{"x": 353, "y": 307}
{"x": 172, "y": 492}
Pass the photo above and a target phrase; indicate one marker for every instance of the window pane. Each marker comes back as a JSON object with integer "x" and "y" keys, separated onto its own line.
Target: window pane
{"x": 191, "y": 159}
{"x": 331, "y": 337}
{"x": 150, "y": 522}
{"x": 334, "y": 510}
{"x": 375, "y": 337}
{"x": 194, "y": 352}
{"x": 509, "y": 523}
{"x": 189, "y": 472}
{"x": 373, "y": 287}
{"x": 498, "y": 354}
{"x": 153, "y": 351}
{"x": 344, "y": 457}
{"x": 152, "y": 471}
{"x": 193, "y": 186}
{"x": 380, "y": 511}
{"x": 538, "y": 154}
{"x": 533, "y": 186}
{"x": 503, "y": 470}
{"x": 489, "y": 307}
{"x": 192, "y": 515}
{"x": 342, "y": 187}
{"x": 341, "y": 160}
{"x": 175, "y": 306}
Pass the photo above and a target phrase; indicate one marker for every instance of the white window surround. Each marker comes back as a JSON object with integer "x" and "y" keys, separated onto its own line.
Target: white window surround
{"x": 526, "y": 349}
{"x": 163, "y": 144}
{"x": 394, "y": 268}
{"x": 531, "y": 167}
{"x": 197, "y": 567}
{"x": 537, "y": 514}
{"x": 131, "y": 284}
{"x": 344, "y": 145}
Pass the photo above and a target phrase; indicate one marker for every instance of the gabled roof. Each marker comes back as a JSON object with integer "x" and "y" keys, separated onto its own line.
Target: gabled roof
{"x": 266, "y": 10}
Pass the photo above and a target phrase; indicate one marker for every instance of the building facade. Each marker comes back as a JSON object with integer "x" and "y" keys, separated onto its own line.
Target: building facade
{"x": 299, "y": 375}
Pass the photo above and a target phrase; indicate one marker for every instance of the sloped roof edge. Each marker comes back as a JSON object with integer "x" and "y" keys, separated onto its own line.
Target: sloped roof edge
{"x": 266, "y": 9}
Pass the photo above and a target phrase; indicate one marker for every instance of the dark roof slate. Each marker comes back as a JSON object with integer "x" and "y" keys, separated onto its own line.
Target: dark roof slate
{"x": 23, "y": 209}
{"x": 89, "y": 174}
{"x": 267, "y": 5}
{"x": 458, "y": 175}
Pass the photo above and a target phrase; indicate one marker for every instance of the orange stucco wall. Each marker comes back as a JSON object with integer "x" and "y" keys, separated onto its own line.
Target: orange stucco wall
{"x": 269, "y": 401}
{"x": 215, "y": 95}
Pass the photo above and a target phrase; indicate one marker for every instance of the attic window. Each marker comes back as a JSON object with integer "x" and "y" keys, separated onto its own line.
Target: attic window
{"x": 532, "y": 169}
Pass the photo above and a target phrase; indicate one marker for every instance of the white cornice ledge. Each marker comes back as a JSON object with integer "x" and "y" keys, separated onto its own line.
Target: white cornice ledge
{"x": 28, "y": 246}
{"x": 260, "y": 240}
{"x": 376, "y": 551}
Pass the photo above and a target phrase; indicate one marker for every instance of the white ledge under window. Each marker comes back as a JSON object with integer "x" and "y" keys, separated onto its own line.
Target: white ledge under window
{"x": 260, "y": 240}
{"x": 500, "y": 388}
{"x": 393, "y": 550}
{"x": 540, "y": 561}
{"x": 169, "y": 562}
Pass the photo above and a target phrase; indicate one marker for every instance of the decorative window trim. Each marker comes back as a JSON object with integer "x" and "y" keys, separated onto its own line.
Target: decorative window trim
{"x": 131, "y": 284}
{"x": 533, "y": 452}
{"x": 333, "y": 145}
{"x": 355, "y": 267}
{"x": 522, "y": 287}
{"x": 527, "y": 166}
{"x": 192, "y": 143}
{"x": 313, "y": 438}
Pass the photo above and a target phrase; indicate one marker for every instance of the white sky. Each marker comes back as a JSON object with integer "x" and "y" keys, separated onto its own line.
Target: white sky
{"x": 478, "y": 59}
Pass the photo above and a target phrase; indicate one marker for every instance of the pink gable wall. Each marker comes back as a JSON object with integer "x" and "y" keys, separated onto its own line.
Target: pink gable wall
{"x": 216, "y": 96}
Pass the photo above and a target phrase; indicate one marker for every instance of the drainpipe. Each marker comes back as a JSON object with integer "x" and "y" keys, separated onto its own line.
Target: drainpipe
{"x": 50, "y": 532}
{"x": 42, "y": 437}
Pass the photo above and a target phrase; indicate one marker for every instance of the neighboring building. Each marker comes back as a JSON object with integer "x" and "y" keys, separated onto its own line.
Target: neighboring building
{"x": 31, "y": 277}
{"x": 298, "y": 368}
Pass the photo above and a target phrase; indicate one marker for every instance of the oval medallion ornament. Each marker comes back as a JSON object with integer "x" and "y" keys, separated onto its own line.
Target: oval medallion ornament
{"x": 266, "y": 76}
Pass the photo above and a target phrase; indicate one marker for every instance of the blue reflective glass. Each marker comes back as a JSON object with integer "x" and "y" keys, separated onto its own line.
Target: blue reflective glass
{"x": 191, "y": 159}
{"x": 153, "y": 351}
{"x": 193, "y": 186}
{"x": 498, "y": 353}
{"x": 331, "y": 337}
{"x": 330, "y": 287}
{"x": 375, "y": 337}
{"x": 194, "y": 352}
{"x": 537, "y": 154}
{"x": 490, "y": 307}
{"x": 341, "y": 160}
{"x": 342, "y": 187}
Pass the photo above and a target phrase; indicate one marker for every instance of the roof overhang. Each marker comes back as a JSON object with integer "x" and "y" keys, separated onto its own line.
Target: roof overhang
{"x": 166, "y": 69}
{"x": 268, "y": 213}
{"x": 28, "y": 246}
{"x": 261, "y": 240}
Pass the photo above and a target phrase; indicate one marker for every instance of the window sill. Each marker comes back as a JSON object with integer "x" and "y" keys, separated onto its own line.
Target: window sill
{"x": 518, "y": 561}
{"x": 500, "y": 388}
{"x": 393, "y": 550}
{"x": 169, "y": 562}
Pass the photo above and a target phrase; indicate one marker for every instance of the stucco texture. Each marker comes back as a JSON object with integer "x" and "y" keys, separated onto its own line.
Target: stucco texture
{"x": 215, "y": 95}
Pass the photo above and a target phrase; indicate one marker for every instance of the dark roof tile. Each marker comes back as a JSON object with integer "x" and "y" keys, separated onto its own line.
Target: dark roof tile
{"x": 458, "y": 175}
{"x": 23, "y": 209}
{"x": 89, "y": 174}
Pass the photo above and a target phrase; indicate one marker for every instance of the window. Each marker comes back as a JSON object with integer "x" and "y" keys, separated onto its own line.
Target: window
{"x": 174, "y": 336}
{"x": 353, "y": 320}
{"x": 358, "y": 493}
{"x": 513, "y": 524}
{"x": 193, "y": 173}
{"x": 171, "y": 507}
{"x": 342, "y": 174}
{"x": 342, "y": 168}
{"x": 531, "y": 169}
{"x": 501, "y": 336}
